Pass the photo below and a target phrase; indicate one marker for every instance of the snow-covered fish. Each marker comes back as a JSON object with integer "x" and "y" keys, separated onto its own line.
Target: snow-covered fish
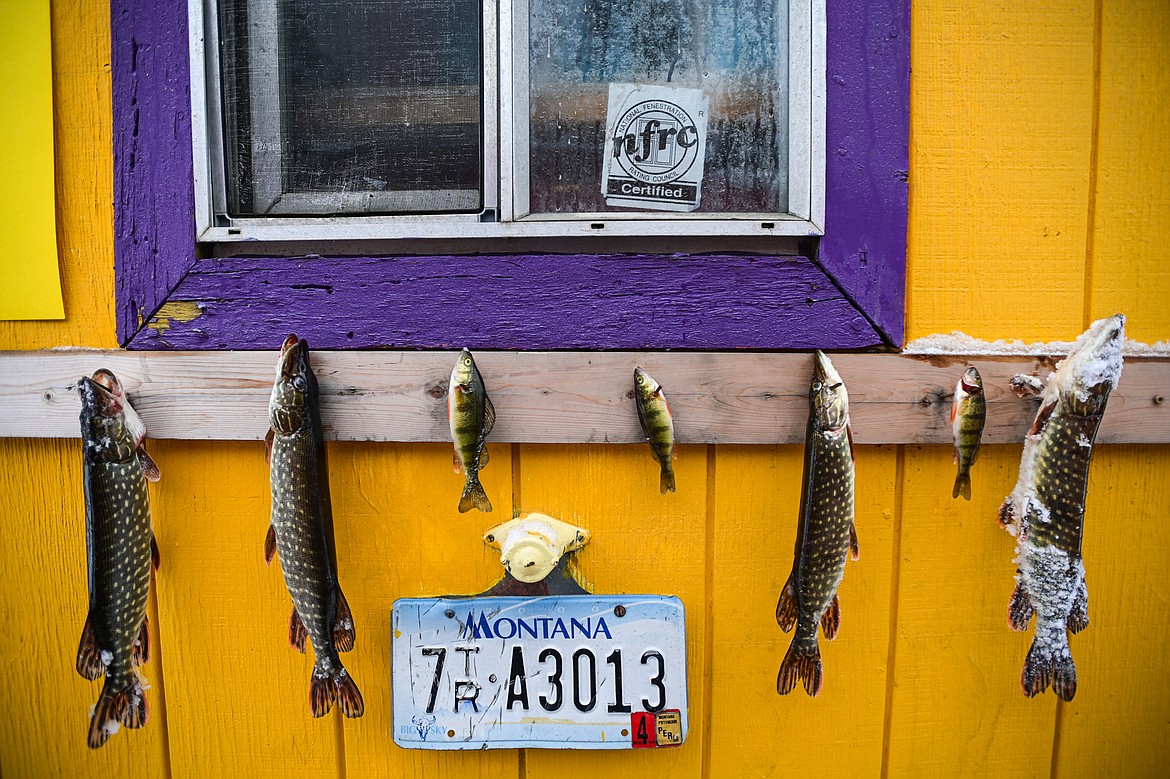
{"x": 968, "y": 413}
{"x": 1047, "y": 508}
{"x": 826, "y": 535}
{"x": 302, "y": 531}
{"x": 120, "y": 548}
{"x": 472, "y": 416}
{"x": 657, "y": 425}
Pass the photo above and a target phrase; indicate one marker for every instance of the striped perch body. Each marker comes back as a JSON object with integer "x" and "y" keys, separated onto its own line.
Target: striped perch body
{"x": 657, "y": 425}
{"x": 472, "y": 417}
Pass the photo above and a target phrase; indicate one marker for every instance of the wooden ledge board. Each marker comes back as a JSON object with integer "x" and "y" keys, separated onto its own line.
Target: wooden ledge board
{"x": 558, "y": 397}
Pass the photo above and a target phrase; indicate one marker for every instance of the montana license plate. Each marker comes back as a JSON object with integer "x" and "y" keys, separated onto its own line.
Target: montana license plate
{"x": 575, "y": 671}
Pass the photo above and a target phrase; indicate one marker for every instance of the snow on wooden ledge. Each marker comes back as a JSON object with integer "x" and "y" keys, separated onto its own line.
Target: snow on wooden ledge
{"x": 559, "y": 397}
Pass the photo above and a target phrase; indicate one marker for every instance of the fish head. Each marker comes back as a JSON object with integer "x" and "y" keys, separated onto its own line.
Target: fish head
{"x": 104, "y": 433}
{"x": 464, "y": 376}
{"x": 828, "y": 399}
{"x": 645, "y": 387}
{"x": 970, "y": 383}
{"x": 288, "y": 408}
{"x": 1085, "y": 378}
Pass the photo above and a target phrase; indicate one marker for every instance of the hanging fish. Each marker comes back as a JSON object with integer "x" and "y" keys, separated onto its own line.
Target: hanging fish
{"x": 657, "y": 425}
{"x": 1047, "y": 508}
{"x": 968, "y": 413}
{"x": 472, "y": 417}
{"x": 120, "y": 548}
{"x": 302, "y": 531}
{"x": 826, "y": 534}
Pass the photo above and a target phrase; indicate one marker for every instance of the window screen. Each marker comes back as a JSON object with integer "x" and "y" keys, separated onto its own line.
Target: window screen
{"x": 351, "y": 106}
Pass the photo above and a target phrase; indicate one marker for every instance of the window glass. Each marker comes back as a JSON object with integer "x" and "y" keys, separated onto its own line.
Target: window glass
{"x": 734, "y": 51}
{"x": 351, "y": 106}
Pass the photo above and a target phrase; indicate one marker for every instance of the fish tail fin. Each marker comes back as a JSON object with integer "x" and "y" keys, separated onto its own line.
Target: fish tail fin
{"x": 474, "y": 497}
{"x": 802, "y": 662}
{"x": 1049, "y": 661}
{"x": 962, "y": 486}
{"x": 666, "y": 481}
{"x": 90, "y": 663}
{"x": 117, "y": 706}
{"x": 337, "y": 687}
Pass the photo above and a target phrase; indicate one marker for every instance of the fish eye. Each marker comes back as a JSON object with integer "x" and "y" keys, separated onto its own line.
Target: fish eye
{"x": 299, "y": 383}
{"x": 467, "y": 361}
{"x": 640, "y": 379}
{"x": 817, "y": 386}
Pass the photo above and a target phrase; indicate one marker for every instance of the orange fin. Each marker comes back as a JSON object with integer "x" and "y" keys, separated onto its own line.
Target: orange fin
{"x": 802, "y": 662}
{"x": 155, "y": 555}
{"x": 1041, "y": 418}
{"x": 666, "y": 480}
{"x": 140, "y": 653}
{"x": 474, "y": 497}
{"x": 1078, "y": 619}
{"x": 1019, "y": 609}
{"x": 831, "y": 618}
{"x": 270, "y": 545}
{"x": 455, "y": 462}
{"x": 854, "y": 547}
{"x": 786, "y": 607}
{"x": 343, "y": 632}
{"x": 89, "y": 655}
{"x": 1007, "y": 513}
{"x": 121, "y": 707}
{"x": 269, "y": 437}
{"x": 149, "y": 466}
{"x": 297, "y": 633}
{"x": 340, "y": 688}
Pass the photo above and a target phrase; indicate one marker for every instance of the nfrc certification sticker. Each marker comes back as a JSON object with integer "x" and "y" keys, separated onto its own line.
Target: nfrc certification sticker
{"x": 654, "y": 147}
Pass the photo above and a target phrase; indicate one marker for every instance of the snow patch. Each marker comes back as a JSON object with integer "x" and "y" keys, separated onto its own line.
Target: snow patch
{"x": 107, "y": 657}
{"x": 959, "y": 343}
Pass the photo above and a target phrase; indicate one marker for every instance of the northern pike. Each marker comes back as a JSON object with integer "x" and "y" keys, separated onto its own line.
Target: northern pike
{"x": 1046, "y": 510}
{"x": 968, "y": 413}
{"x": 134, "y": 423}
{"x": 657, "y": 425}
{"x": 302, "y": 531}
{"x": 826, "y": 535}
{"x": 120, "y": 548}
{"x": 472, "y": 417}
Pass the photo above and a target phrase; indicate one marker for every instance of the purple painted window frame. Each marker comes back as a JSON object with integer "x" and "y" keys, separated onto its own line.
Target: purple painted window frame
{"x": 846, "y": 292}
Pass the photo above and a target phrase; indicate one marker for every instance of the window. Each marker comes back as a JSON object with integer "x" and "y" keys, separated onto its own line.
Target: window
{"x": 192, "y": 276}
{"x": 430, "y": 118}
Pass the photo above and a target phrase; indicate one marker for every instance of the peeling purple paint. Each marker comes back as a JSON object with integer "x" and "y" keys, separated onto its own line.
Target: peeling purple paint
{"x": 520, "y": 301}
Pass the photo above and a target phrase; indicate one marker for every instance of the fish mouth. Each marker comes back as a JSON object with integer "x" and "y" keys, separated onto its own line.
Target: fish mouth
{"x": 97, "y": 397}
{"x": 972, "y": 382}
{"x": 823, "y": 369}
{"x": 292, "y": 354}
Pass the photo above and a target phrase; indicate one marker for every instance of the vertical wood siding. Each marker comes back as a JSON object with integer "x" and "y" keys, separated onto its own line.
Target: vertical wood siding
{"x": 1039, "y": 201}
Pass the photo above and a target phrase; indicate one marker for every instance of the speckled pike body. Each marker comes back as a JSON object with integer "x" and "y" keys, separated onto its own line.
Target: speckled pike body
{"x": 302, "y": 532}
{"x": 471, "y": 417}
{"x": 1047, "y": 507}
{"x": 119, "y": 543}
{"x": 657, "y": 425}
{"x": 826, "y": 535}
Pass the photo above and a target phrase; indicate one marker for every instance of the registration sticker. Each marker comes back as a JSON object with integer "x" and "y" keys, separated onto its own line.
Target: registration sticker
{"x": 576, "y": 672}
{"x": 655, "y": 147}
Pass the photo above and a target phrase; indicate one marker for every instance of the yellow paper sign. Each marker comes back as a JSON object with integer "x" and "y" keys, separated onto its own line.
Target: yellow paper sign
{"x": 30, "y": 282}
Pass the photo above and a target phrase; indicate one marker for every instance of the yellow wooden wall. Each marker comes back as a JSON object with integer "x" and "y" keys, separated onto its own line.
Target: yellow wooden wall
{"x": 1040, "y": 200}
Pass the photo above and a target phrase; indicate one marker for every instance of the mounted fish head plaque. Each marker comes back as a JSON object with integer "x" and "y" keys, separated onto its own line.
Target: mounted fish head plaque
{"x": 539, "y": 668}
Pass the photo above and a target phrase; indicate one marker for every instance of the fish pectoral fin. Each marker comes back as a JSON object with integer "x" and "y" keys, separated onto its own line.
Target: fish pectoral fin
{"x": 786, "y": 607}
{"x": 455, "y": 462}
{"x": 149, "y": 466}
{"x": 270, "y": 545}
{"x": 155, "y": 555}
{"x": 489, "y": 414}
{"x": 831, "y": 618}
{"x": 849, "y": 436}
{"x": 297, "y": 633}
{"x": 343, "y": 632}
{"x": 1041, "y": 418}
{"x": 269, "y": 437}
{"x": 854, "y": 547}
{"x": 1007, "y": 513}
{"x": 140, "y": 653}
{"x": 1019, "y": 608}
{"x": 89, "y": 654}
